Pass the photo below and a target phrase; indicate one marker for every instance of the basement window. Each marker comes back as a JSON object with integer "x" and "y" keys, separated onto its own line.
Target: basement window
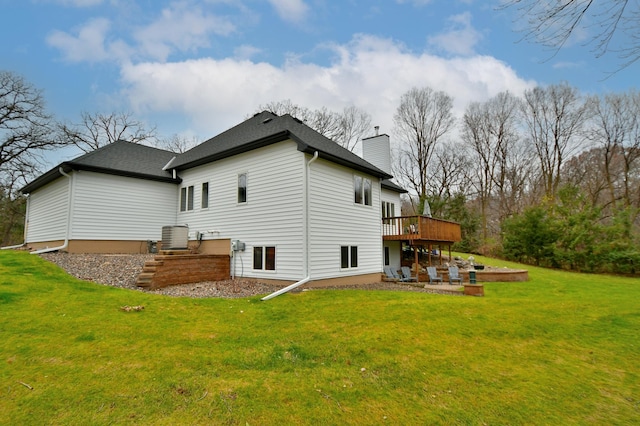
{"x": 264, "y": 258}
{"x": 348, "y": 257}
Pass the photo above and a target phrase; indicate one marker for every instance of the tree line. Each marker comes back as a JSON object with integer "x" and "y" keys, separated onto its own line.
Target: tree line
{"x": 551, "y": 177}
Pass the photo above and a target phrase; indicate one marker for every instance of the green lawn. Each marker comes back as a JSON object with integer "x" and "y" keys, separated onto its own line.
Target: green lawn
{"x": 562, "y": 348}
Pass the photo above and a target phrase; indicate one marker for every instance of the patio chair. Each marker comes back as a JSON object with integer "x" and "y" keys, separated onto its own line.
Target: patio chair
{"x": 454, "y": 275}
{"x": 433, "y": 275}
{"x": 391, "y": 274}
{"x": 406, "y": 275}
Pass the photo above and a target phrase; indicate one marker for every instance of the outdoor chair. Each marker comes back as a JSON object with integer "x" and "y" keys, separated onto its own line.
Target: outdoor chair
{"x": 406, "y": 275}
{"x": 433, "y": 275}
{"x": 391, "y": 274}
{"x": 454, "y": 275}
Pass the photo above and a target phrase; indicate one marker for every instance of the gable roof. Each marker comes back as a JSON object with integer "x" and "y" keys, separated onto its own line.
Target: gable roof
{"x": 266, "y": 128}
{"x": 118, "y": 158}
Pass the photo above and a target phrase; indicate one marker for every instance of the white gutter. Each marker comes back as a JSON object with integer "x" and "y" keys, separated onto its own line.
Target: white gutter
{"x": 306, "y": 236}
{"x": 66, "y": 237}
{"x": 12, "y": 247}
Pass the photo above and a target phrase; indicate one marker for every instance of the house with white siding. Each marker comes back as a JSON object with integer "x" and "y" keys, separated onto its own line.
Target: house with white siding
{"x": 286, "y": 203}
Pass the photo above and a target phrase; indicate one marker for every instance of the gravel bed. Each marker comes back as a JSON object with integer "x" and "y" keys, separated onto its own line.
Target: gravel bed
{"x": 122, "y": 270}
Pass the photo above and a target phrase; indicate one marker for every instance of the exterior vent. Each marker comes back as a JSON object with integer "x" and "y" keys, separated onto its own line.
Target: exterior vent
{"x": 175, "y": 237}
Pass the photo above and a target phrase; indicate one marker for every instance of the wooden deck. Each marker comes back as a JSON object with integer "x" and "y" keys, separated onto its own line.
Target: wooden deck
{"x": 419, "y": 230}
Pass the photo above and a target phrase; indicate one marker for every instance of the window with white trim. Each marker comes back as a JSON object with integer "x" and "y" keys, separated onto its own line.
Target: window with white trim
{"x": 242, "y": 188}
{"x": 348, "y": 257}
{"x": 361, "y": 190}
{"x": 186, "y": 198}
{"x": 388, "y": 209}
{"x": 204, "y": 199}
{"x": 264, "y": 258}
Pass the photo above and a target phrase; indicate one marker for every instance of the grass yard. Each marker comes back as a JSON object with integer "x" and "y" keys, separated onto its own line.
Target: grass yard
{"x": 562, "y": 348}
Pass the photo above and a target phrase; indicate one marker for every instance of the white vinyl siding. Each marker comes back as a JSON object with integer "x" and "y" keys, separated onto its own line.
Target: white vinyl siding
{"x": 48, "y": 212}
{"x": 336, "y": 221}
{"x": 108, "y": 207}
{"x": 273, "y": 215}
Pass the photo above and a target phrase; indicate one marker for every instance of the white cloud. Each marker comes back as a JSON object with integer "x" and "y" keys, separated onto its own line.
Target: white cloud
{"x": 183, "y": 27}
{"x": 246, "y": 51}
{"x": 294, "y": 11}
{"x": 370, "y": 72}
{"x": 460, "y": 37}
{"x": 88, "y": 45}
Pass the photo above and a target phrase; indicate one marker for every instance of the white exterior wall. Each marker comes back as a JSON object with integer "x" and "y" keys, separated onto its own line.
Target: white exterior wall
{"x": 272, "y": 216}
{"x": 48, "y": 212}
{"x": 336, "y": 220}
{"x": 108, "y": 207}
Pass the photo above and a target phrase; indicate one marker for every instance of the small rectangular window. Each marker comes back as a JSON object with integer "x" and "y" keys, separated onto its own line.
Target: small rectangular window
{"x": 190, "y": 192}
{"x": 183, "y": 199}
{"x": 270, "y": 259}
{"x": 264, "y": 258}
{"x": 205, "y": 196}
{"x": 354, "y": 256}
{"x": 357, "y": 189}
{"x": 367, "y": 192}
{"x": 387, "y": 256}
{"x": 388, "y": 209}
{"x": 344, "y": 257}
{"x": 348, "y": 257}
{"x": 242, "y": 188}
{"x": 186, "y": 198}
{"x": 257, "y": 258}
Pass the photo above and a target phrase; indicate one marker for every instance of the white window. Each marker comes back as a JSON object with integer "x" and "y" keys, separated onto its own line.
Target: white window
{"x": 362, "y": 190}
{"x": 186, "y": 198}
{"x": 204, "y": 200}
{"x": 242, "y": 188}
{"x": 388, "y": 209}
{"x": 264, "y": 258}
{"x": 348, "y": 257}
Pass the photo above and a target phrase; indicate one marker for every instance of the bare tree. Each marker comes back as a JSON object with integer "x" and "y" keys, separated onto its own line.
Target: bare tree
{"x": 616, "y": 130}
{"x": 554, "y": 117}
{"x": 177, "y": 143}
{"x": 490, "y": 130}
{"x": 422, "y": 119}
{"x": 346, "y": 128}
{"x": 97, "y": 129}
{"x": 25, "y": 133}
{"x": 25, "y": 126}
{"x": 552, "y": 24}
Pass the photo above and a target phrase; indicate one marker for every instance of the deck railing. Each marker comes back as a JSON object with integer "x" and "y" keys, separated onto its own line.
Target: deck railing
{"x": 420, "y": 228}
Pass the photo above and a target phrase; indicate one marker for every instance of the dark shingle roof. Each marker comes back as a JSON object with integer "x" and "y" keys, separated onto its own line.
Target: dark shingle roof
{"x": 266, "y": 128}
{"x": 118, "y": 158}
{"x": 144, "y": 162}
{"x": 392, "y": 186}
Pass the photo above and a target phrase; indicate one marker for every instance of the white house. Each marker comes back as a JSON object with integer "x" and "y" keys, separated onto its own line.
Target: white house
{"x": 298, "y": 204}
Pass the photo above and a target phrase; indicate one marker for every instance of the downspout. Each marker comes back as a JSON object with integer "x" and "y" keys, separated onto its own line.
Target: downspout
{"x": 306, "y": 236}
{"x": 66, "y": 237}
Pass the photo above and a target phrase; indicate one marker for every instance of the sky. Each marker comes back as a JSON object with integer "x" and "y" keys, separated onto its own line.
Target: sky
{"x": 196, "y": 68}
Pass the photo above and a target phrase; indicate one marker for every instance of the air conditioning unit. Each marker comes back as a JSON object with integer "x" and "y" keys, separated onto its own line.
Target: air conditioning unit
{"x": 175, "y": 237}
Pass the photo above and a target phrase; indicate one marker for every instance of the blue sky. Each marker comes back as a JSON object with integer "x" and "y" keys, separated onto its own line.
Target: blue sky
{"x": 195, "y": 68}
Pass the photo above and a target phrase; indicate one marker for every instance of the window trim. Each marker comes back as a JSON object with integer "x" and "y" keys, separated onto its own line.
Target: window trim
{"x": 348, "y": 253}
{"x": 242, "y": 190}
{"x": 204, "y": 196}
{"x": 267, "y": 258}
{"x": 362, "y": 190}
{"x": 187, "y": 195}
